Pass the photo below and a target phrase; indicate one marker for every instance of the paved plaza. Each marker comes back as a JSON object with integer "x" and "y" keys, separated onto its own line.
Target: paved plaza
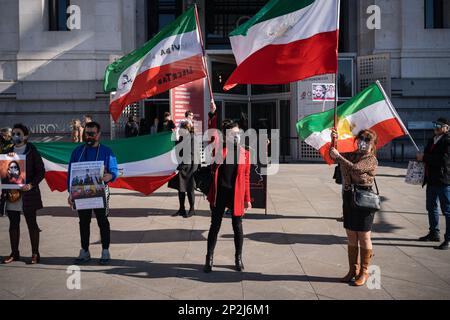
{"x": 296, "y": 251}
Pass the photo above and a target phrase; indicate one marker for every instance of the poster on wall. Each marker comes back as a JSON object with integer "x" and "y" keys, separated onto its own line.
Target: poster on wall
{"x": 323, "y": 92}
{"x": 307, "y": 105}
{"x": 12, "y": 171}
{"x": 189, "y": 96}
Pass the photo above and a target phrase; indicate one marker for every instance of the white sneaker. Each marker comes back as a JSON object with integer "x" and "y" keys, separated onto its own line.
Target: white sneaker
{"x": 105, "y": 257}
{"x": 84, "y": 256}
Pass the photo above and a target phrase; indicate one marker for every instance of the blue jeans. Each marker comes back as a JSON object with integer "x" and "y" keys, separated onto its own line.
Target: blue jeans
{"x": 435, "y": 195}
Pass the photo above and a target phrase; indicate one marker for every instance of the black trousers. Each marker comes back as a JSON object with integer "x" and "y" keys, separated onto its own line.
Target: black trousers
{"x": 85, "y": 227}
{"x": 182, "y": 199}
{"x": 225, "y": 199}
{"x": 14, "y": 230}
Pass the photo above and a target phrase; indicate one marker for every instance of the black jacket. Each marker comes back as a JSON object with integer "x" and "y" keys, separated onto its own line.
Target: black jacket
{"x": 437, "y": 161}
{"x": 35, "y": 172}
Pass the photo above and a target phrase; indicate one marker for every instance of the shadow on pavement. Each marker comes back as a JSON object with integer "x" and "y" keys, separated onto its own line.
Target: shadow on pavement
{"x": 153, "y": 270}
{"x": 156, "y": 236}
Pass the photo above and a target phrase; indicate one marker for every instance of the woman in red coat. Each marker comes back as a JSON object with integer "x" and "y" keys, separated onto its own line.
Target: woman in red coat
{"x": 230, "y": 189}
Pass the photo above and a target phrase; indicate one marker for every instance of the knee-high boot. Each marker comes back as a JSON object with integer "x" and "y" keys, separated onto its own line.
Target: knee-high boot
{"x": 366, "y": 257}
{"x": 353, "y": 263}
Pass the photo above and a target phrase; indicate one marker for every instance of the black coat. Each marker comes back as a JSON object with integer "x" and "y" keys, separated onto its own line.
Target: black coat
{"x": 437, "y": 161}
{"x": 35, "y": 172}
{"x": 184, "y": 181}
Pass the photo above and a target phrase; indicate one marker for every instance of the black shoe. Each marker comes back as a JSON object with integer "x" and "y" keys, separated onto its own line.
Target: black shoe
{"x": 238, "y": 263}
{"x": 181, "y": 212}
{"x": 443, "y": 246}
{"x": 208, "y": 264}
{"x": 189, "y": 214}
{"x": 432, "y": 236}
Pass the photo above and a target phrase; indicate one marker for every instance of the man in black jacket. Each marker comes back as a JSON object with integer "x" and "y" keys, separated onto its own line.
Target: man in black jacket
{"x": 437, "y": 179}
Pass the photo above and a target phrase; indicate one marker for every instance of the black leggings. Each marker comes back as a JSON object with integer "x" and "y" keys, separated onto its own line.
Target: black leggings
{"x": 85, "y": 227}
{"x": 216, "y": 222}
{"x": 30, "y": 217}
{"x": 182, "y": 198}
{"x": 14, "y": 230}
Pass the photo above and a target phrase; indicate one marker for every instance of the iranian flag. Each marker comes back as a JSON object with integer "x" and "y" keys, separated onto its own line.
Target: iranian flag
{"x": 286, "y": 41}
{"x": 173, "y": 57}
{"x": 145, "y": 163}
{"x": 371, "y": 109}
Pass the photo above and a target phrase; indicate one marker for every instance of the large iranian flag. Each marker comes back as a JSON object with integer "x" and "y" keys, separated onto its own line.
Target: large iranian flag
{"x": 173, "y": 57}
{"x": 286, "y": 41}
{"x": 145, "y": 163}
{"x": 371, "y": 109}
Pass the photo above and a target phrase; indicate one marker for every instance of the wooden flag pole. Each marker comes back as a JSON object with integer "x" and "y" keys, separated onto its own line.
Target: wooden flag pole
{"x": 203, "y": 55}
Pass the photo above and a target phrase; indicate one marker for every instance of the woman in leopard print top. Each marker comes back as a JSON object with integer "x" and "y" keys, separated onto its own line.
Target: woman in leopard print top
{"x": 358, "y": 169}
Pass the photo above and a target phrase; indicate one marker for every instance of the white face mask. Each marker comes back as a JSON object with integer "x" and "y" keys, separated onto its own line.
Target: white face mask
{"x": 363, "y": 146}
{"x": 234, "y": 138}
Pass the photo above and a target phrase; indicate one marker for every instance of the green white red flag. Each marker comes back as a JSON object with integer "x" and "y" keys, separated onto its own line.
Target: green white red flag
{"x": 286, "y": 41}
{"x": 145, "y": 163}
{"x": 173, "y": 57}
{"x": 370, "y": 109}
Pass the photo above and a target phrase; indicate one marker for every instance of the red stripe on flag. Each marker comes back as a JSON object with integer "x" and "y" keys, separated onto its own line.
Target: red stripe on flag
{"x": 285, "y": 63}
{"x": 57, "y": 181}
{"x": 158, "y": 80}
{"x": 386, "y": 130}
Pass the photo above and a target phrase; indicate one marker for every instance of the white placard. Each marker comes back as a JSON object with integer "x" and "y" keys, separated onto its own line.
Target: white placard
{"x": 87, "y": 188}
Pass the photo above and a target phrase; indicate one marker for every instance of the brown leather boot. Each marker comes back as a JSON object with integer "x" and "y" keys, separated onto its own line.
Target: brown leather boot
{"x": 353, "y": 263}
{"x": 366, "y": 257}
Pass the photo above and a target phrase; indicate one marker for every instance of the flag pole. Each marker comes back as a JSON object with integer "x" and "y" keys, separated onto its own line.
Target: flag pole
{"x": 203, "y": 53}
{"x": 392, "y": 108}
{"x": 338, "y": 10}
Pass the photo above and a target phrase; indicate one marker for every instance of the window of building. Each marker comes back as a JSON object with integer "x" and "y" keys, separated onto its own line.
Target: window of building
{"x": 223, "y": 16}
{"x": 58, "y": 15}
{"x": 161, "y": 13}
{"x": 437, "y": 14}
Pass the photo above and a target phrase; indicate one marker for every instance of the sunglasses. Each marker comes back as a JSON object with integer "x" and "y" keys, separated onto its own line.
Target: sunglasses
{"x": 438, "y": 125}
{"x": 17, "y": 134}
{"x": 91, "y": 134}
{"x": 365, "y": 139}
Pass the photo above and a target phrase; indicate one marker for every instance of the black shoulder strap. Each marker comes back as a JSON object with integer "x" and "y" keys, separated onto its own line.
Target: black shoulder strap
{"x": 376, "y": 185}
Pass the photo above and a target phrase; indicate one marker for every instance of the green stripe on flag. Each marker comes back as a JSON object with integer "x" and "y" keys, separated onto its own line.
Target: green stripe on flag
{"x": 183, "y": 24}
{"x": 320, "y": 121}
{"x": 126, "y": 150}
{"x": 271, "y": 10}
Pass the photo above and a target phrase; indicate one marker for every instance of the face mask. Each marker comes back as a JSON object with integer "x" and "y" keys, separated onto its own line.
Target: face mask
{"x": 13, "y": 172}
{"x": 17, "y": 139}
{"x": 234, "y": 139}
{"x": 90, "y": 142}
{"x": 363, "y": 146}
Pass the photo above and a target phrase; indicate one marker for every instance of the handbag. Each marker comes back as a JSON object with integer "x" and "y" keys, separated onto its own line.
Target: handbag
{"x": 366, "y": 199}
{"x": 203, "y": 179}
{"x": 13, "y": 195}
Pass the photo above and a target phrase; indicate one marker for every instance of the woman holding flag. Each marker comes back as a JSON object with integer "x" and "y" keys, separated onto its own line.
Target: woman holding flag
{"x": 358, "y": 170}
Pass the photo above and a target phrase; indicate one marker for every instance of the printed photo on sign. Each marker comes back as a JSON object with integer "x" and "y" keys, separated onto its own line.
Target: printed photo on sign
{"x": 323, "y": 92}
{"x": 12, "y": 171}
{"x": 86, "y": 185}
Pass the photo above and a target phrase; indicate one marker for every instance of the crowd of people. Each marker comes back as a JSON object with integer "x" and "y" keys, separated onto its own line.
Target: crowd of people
{"x": 230, "y": 188}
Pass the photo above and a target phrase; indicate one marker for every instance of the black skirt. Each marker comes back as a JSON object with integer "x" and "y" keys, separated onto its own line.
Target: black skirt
{"x": 184, "y": 180}
{"x": 356, "y": 219}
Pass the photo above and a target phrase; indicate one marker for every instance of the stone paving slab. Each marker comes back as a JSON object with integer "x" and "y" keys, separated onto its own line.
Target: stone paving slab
{"x": 297, "y": 251}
